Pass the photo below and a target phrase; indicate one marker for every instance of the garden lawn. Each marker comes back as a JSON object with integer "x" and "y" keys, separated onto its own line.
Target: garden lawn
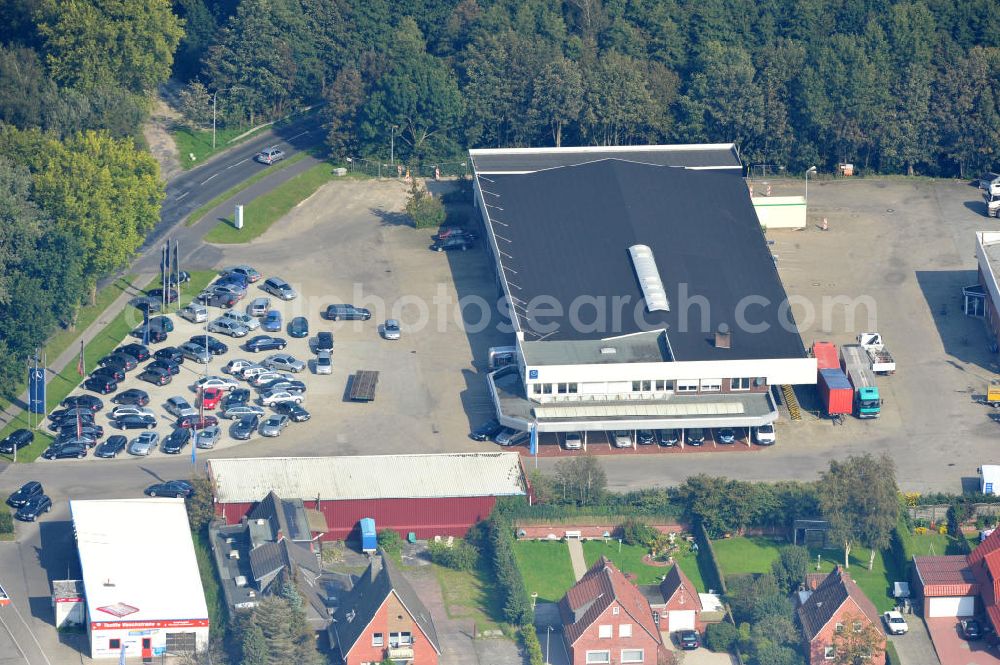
{"x": 471, "y": 595}
{"x": 754, "y": 555}
{"x": 259, "y": 214}
{"x": 933, "y": 543}
{"x": 629, "y": 560}
{"x": 546, "y": 568}
{"x": 209, "y": 579}
{"x": 62, "y": 384}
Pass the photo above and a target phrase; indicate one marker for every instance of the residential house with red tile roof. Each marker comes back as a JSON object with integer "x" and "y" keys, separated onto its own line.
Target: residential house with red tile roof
{"x": 676, "y": 604}
{"x": 835, "y": 606}
{"x": 606, "y": 619}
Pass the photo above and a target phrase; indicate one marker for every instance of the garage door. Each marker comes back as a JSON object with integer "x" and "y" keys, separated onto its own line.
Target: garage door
{"x": 951, "y": 606}
{"x": 681, "y": 620}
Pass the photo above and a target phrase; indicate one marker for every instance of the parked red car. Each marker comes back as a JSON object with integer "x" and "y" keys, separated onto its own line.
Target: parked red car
{"x": 210, "y": 398}
{"x": 195, "y": 423}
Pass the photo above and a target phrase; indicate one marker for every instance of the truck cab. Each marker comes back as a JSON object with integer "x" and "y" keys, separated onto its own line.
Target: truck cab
{"x": 867, "y": 402}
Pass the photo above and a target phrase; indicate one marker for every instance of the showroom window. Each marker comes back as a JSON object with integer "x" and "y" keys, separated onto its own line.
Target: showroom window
{"x": 633, "y": 655}
{"x": 598, "y": 657}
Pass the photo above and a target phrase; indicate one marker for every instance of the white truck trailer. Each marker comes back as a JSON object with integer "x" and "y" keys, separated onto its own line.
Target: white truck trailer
{"x": 882, "y": 361}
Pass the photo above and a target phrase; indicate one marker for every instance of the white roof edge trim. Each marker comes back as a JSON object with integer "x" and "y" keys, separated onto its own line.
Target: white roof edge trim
{"x": 649, "y": 278}
{"x": 616, "y": 148}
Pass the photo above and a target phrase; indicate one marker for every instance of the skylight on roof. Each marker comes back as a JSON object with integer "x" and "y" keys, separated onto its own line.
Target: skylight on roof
{"x": 649, "y": 278}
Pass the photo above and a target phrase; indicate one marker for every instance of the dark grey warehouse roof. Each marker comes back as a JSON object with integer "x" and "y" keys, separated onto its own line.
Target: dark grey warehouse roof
{"x": 563, "y": 237}
{"x": 525, "y": 160}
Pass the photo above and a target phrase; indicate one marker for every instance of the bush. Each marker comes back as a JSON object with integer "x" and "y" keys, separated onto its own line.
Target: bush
{"x": 6, "y": 522}
{"x": 532, "y": 645}
{"x": 635, "y": 532}
{"x": 425, "y": 210}
{"x": 390, "y": 542}
{"x": 516, "y": 605}
{"x": 460, "y": 556}
{"x": 720, "y": 637}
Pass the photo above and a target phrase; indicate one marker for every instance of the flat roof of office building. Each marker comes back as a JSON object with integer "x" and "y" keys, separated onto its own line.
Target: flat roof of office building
{"x": 526, "y": 160}
{"x": 564, "y": 235}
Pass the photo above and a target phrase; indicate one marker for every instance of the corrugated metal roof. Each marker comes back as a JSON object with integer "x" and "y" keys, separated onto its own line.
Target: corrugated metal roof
{"x": 138, "y": 560}
{"x": 368, "y": 476}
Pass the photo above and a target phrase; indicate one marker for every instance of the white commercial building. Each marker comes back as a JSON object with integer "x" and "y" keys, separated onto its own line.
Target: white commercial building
{"x": 140, "y": 577}
{"x": 640, "y": 287}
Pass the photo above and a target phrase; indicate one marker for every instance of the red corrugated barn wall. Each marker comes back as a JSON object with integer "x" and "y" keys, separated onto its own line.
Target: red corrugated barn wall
{"x": 425, "y": 517}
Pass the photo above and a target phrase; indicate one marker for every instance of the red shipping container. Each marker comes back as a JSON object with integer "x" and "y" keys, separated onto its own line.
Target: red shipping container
{"x": 826, "y": 355}
{"x": 835, "y": 391}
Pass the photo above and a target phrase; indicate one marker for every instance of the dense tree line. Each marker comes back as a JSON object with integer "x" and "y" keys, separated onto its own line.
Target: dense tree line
{"x": 892, "y": 85}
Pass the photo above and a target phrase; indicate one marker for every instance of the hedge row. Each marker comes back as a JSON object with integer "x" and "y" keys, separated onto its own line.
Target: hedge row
{"x": 707, "y": 561}
{"x": 6, "y": 522}
{"x": 653, "y": 504}
{"x": 532, "y": 645}
{"x": 500, "y": 541}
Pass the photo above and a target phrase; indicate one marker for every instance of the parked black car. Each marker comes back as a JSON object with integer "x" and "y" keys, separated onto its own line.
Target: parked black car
{"x": 137, "y": 351}
{"x": 236, "y": 397}
{"x": 23, "y": 495}
{"x": 211, "y": 344}
{"x": 145, "y": 304}
{"x": 91, "y": 402}
{"x": 66, "y": 450}
{"x": 298, "y": 327}
{"x": 180, "y": 277}
{"x": 294, "y": 411}
{"x": 158, "y": 294}
{"x": 155, "y": 335}
{"x": 264, "y": 343}
{"x": 167, "y": 366}
{"x": 347, "y": 313}
{"x": 459, "y": 243}
{"x": 181, "y": 489}
{"x": 84, "y": 420}
{"x": 69, "y": 429}
{"x": 971, "y": 630}
{"x": 121, "y": 361}
{"x": 112, "y": 373}
{"x": 72, "y": 412}
{"x": 244, "y": 428}
{"x": 132, "y": 396}
{"x": 175, "y": 443}
{"x": 101, "y": 384}
{"x": 171, "y": 353}
{"x": 34, "y": 508}
{"x": 136, "y": 422}
{"x": 688, "y": 640}
{"x": 486, "y": 431}
{"x": 324, "y": 341}
{"x": 110, "y": 448}
{"x": 16, "y": 440}
{"x": 223, "y": 300}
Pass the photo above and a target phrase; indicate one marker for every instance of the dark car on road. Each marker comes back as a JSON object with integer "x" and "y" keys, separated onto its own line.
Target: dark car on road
{"x": 89, "y": 401}
{"x": 113, "y": 373}
{"x": 298, "y": 327}
{"x": 110, "y": 448}
{"x": 137, "y": 351}
{"x": 171, "y": 354}
{"x": 16, "y": 440}
{"x": 133, "y": 396}
{"x": 486, "y": 431}
{"x": 450, "y": 244}
{"x": 211, "y": 344}
{"x": 136, "y": 422}
{"x": 244, "y": 428}
{"x": 66, "y": 450}
{"x": 180, "y": 489}
{"x": 23, "y": 495}
{"x": 347, "y": 313}
{"x": 121, "y": 361}
{"x": 156, "y": 376}
{"x": 174, "y": 443}
{"x": 294, "y": 411}
{"x": 167, "y": 366}
{"x": 688, "y": 640}
{"x": 34, "y": 508}
{"x": 264, "y": 343}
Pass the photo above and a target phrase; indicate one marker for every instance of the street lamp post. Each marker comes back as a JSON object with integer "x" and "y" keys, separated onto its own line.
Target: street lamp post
{"x": 548, "y": 636}
{"x": 809, "y": 171}
{"x": 392, "y": 145}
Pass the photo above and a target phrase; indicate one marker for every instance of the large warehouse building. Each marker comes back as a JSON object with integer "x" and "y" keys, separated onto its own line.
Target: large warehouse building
{"x": 427, "y": 495}
{"x": 641, "y": 290}
{"x": 140, "y": 578}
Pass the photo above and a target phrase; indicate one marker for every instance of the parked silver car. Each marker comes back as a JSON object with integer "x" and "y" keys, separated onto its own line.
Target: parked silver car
{"x": 237, "y": 365}
{"x": 390, "y": 329}
{"x": 250, "y": 322}
{"x": 179, "y": 407}
{"x": 195, "y": 352}
{"x": 237, "y": 412}
{"x": 259, "y": 307}
{"x": 228, "y": 327}
{"x": 273, "y": 425}
{"x": 283, "y": 361}
{"x": 208, "y": 436}
{"x": 143, "y": 444}
{"x": 194, "y": 313}
{"x": 324, "y": 363}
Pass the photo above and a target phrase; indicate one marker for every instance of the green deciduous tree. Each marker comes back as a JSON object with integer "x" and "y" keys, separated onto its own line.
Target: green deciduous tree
{"x": 858, "y": 497}
{"x": 853, "y": 647}
{"x": 557, "y": 96}
{"x": 618, "y": 106}
{"x": 200, "y": 505}
{"x": 195, "y": 104}
{"x": 790, "y": 569}
{"x": 580, "y": 480}
{"x": 91, "y": 43}
{"x": 424, "y": 209}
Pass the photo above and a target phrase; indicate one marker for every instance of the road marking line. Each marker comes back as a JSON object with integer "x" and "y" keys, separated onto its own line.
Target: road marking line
{"x": 14, "y": 640}
{"x": 238, "y": 163}
{"x": 296, "y": 136}
{"x": 181, "y": 196}
{"x": 32, "y": 633}
{"x": 209, "y": 178}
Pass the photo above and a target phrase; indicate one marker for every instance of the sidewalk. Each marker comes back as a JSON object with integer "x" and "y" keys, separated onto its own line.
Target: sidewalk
{"x": 576, "y": 557}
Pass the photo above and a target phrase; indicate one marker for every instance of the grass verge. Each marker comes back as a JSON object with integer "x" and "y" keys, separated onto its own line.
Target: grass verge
{"x": 471, "y": 596}
{"x": 629, "y": 560}
{"x": 754, "y": 555}
{"x": 546, "y": 567}
{"x": 259, "y": 214}
{"x": 63, "y": 383}
{"x": 201, "y": 211}
{"x": 209, "y": 580}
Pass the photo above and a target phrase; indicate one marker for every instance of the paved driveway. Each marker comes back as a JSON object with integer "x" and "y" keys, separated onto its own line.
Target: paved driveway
{"x": 953, "y": 650}
{"x": 915, "y": 648}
